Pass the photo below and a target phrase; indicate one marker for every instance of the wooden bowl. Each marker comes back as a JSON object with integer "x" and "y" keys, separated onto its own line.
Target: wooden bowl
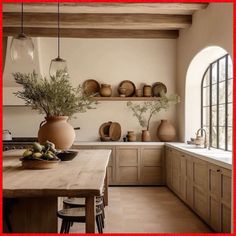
{"x": 67, "y": 155}
{"x": 39, "y": 164}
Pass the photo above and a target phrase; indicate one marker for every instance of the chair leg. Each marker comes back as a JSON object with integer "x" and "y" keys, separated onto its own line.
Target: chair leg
{"x": 98, "y": 224}
{"x": 67, "y": 230}
{"x": 62, "y": 227}
{"x": 103, "y": 211}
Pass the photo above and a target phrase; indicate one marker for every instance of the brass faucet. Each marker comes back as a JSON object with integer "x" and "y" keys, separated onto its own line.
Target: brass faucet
{"x": 205, "y": 138}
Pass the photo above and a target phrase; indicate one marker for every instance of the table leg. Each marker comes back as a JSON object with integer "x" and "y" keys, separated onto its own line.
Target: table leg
{"x": 106, "y": 190}
{"x": 90, "y": 214}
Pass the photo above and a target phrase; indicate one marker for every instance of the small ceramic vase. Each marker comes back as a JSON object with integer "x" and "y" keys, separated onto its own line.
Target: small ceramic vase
{"x": 105, "y": 90}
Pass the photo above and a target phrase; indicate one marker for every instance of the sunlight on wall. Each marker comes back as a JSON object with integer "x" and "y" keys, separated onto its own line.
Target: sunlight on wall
{"x": 194, "y": 76}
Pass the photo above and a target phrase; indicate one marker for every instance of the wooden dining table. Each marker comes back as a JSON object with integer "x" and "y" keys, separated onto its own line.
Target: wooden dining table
{"x": 33, "y": 197}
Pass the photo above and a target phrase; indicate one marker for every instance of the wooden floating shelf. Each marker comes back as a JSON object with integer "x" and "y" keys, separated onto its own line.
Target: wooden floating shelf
{"x": 125, "y": 98}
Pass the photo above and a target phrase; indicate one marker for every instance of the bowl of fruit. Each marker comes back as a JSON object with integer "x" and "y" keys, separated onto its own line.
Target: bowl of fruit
{"x": 40, "y": 156}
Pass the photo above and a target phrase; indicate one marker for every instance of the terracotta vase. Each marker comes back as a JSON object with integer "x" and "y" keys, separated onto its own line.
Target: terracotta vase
{"x": 105, "y": 90}
{"x": 56, "y": 129}
{"x": 146, "y": 137}
{"x": 166, "y": 131}
{"x": 131, "y": 136}
{"x": 147, "y": 91}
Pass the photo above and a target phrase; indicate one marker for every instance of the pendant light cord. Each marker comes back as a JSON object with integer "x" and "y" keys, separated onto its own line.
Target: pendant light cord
{"x": 58, "y": 31}
{"x": 22, "y": 17}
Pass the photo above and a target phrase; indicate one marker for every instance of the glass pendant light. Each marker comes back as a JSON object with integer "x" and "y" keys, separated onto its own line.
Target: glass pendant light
{"x": 57, "y": 63}
{"x": 22, "y": 47}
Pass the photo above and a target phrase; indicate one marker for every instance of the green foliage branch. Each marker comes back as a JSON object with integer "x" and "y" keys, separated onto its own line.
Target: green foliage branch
{"x": 54, "y": 96}
{"x": 146, "y": 110}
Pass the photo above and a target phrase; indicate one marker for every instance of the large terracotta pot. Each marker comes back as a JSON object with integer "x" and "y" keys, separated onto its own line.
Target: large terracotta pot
{"x": 56, "y": 129}
{"x": 166, "y": 131}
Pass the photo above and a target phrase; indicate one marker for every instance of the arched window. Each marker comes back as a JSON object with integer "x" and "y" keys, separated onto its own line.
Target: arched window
{"x": 216, "y": 103}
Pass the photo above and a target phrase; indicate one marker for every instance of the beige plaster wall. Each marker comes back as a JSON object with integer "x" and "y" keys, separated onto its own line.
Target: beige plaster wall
{"x": 212, "y": 26}
{"x": 107, "y": 61}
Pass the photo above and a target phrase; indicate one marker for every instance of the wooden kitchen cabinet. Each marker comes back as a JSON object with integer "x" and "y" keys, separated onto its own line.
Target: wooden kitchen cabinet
{"x": 127, "y": 165}
{"x": 204, "y": 187}
{"x": 151, "y": 166}
{"x": 133, "y": 164}
{"x": 219, "y": 198}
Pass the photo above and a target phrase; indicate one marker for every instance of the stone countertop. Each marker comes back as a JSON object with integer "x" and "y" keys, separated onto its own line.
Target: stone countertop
{"x": 214, "y": 156}
{"x": 99, "y": 143}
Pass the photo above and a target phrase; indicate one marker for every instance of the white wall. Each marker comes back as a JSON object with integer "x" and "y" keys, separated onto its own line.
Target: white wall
{"x": 212, "y": 26}
{"x": 107, "y": 61}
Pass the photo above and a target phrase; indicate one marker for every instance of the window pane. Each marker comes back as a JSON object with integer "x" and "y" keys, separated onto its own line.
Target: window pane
{"x": 206, "y": 96}
{"x": 206, "y": 79}
{"x": 230, "y": 68}
{"x": 230, "y": 114}
{"x": 214, "y": 115}
{"x": 230, "y": 139}
{"x": 214, "y": 94}
{"x": 222, "y": 92}
{"x": 222, "y": 115}
{"x": 214, "y": 73}
{"x": 222, "y": 69}
{"x": 230, "y": 89}
{"x": 222, "y": 137}
{"x": 206, "y": 116}
{"x": 214, "y": 135}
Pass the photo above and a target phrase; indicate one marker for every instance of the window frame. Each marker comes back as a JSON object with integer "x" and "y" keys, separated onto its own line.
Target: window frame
{"x": 218, "y": 104}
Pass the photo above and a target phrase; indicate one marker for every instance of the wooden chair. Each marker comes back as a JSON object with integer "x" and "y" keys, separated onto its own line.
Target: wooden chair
{"x": 77, "y": 215}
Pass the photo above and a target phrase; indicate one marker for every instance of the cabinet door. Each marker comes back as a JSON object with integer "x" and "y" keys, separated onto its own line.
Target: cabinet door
{"x": 189, "y": 180}
{"x": 225, "y": 219}
{"x": 168, "y": 167}
{"x": 176, "y": 164}
{"x": 183, "y": 178}
{"x": 214, "y": 197}
{"x": 200, "y": 195}
{"x": 151, "y": 165}
{"x": 111, "y": 164}
{"x": 225, "y": 200}
{"x": 127, "y": 165}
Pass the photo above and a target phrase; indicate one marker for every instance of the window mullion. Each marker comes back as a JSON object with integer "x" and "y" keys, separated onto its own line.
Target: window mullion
{"x": 226, "y": 102}
{"x": 217, "y": 107}
{"x": 210, "y": 108}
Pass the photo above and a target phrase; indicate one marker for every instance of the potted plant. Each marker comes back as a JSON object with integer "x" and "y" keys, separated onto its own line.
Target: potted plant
{"x": 146, "y": 110}
{"x": 58, "y": 100}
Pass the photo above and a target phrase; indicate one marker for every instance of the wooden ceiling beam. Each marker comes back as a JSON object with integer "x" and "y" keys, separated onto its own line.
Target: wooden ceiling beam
{"x": 93, "y": 33}
{"x": 148, "y": 8}
{"x": 100, "y": 21}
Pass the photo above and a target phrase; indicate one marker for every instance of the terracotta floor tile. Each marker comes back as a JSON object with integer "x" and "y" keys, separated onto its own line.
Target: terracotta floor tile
{"x": 147, "y": 210}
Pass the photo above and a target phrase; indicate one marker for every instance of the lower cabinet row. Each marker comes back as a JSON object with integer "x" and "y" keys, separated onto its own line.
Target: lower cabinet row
{"x": 204, "y": 187}
{"x": 134, "y": 165}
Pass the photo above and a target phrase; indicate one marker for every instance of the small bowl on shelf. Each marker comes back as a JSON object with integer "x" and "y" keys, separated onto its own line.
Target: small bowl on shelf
{"x": 67, "y": 155}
